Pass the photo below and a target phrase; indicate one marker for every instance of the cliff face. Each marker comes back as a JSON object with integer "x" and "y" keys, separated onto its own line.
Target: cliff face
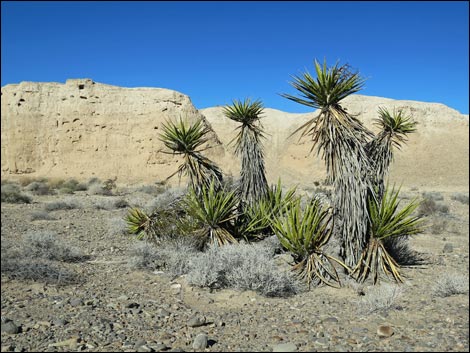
{"x": 436, "y": 156}
{"x": 82, "y": 129}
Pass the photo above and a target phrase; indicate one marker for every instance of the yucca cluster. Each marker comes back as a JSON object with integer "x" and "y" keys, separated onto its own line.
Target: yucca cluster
{"x": 364, "y": 214}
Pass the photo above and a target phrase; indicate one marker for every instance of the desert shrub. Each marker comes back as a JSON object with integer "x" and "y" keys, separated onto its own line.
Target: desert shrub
{"x": 39, "y": 188}
{"x": 11, "y": 193}
{"x": 107, "y": 204}
{"x": 450, "y": 284}
{"x": 460, "y": 197}
{"x": 166, "y": 199}
{"x": 48, "y": 246}
{"x": 241, "y": 266}
{"x": 17, "y": 263}
{"x": 436, "y": 196}
{"x": 153, "y": 190}
{"x": 144, "y": 255}
{"x": 38, "y": 270}
{"x": 41, "y": 215}
{"x": 429, "y": 207}
{"x": 120, "y": 203}
{"x": 65, "y": 191}
{"x": 117, "y": 226}
{"x": 174, "y": 255}
{"x": 67, "y": 204}
{"x": 93, "y": 180}
{"x": 382, "y": 297}
{"x": 438, "y": 226}
{"x": 99, "y": 189}
{"x": 56, "y": 183}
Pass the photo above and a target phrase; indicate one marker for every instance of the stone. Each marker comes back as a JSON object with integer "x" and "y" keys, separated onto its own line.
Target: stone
{"x": 285, "y": 347}
{"x": 200, "y": 342}
{"x": 196, "y": 321}
{"x": 448, "y": 248}
{"x": 384, "y": 331}
{"x": 10, "y": 327}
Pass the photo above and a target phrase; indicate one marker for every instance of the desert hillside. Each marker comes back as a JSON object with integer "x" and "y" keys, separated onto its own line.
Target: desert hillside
{"x": 82, "y": 129}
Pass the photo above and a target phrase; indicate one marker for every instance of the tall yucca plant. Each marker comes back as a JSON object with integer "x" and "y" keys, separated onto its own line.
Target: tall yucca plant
{"x": 395, "y": 128}
{"x": 304, "y": 234}
{"x": 387, "y": 222}
{"x": 187, "y": 140}
{"x": 340, "y": 138}
{"x": 253, "y": 185}
{"x": 214, "y": 210}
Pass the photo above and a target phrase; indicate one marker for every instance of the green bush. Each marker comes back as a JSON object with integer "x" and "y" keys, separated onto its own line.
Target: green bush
{"x": 11, "y": 193}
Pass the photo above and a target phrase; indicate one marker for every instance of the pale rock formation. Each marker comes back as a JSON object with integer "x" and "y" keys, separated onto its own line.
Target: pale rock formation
{"x": 435, "y": 157}
{"x": 82, "y": 129}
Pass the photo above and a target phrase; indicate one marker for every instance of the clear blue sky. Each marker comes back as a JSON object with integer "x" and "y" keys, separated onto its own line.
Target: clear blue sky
{"x": 219, "y": 51}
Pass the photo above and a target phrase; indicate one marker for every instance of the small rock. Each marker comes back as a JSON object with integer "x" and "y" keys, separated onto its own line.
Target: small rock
{"x": 384, "y": 331}
{"x": 139, "y": 343}
{"x": 10, "y": 327}
{"x": 330, "y": 319}
{"x": 144, "y": 348}
{"x": 323, "y": 341}
{"x": 196, "y": 321}
{"x": 76, "y": 302}
{"x": 60, "y": 322}
{"x": 163, "y": 312}
{"x": 285, "y": 347}
{"x": 159, "y": 347}
{"x": 200, "y": 342}
{"x": 448, "y": 248}
{"x": 71, "y": 342}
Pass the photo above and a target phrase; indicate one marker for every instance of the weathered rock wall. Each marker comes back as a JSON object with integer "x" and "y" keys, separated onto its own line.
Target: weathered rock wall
{"x": 82, "y": 129}
{"x": 435, "y": 157}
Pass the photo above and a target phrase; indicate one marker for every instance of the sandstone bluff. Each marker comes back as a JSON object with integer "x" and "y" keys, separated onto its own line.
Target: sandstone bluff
{"x": 83, "y": 129}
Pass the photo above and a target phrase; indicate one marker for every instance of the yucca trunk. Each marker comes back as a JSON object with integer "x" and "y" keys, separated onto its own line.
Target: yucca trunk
{"x": 253, "y": 184}
{"x": 347, "y": 167}
{"x": 380, "y": 155}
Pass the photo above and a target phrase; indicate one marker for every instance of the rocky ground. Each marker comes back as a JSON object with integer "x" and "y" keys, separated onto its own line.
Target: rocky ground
{"x": 118, "y": 308}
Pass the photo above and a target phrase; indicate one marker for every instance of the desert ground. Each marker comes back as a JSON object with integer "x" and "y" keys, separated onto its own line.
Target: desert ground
{"x": 103, "y": 301}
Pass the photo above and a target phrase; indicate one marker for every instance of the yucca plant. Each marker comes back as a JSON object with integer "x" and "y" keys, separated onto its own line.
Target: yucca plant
{"x": 395, "y": 128}
{"x": 187, "y": 140}
{"x": 340, "y": 138}
{"x": 141, "y": 224}
{"x": 253, "y": 185}
{"x": 387, "y": 222}
{"x": 304, "y": 234}
{"x": 214, "y": 209}
{"x": 256, "y": 222}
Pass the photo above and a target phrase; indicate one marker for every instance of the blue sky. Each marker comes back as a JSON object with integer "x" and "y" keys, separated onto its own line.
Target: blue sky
{"x": 219, "y": 51}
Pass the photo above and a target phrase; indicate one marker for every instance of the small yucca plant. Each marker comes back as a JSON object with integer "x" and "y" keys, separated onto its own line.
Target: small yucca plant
{"x": 386, "y": 222}
{"x": 215, "y": 211}
{"x": 253, "y": 185}
{"x": 256, "y": 221}
{"x": 304, "y": 234}
{"x": 187, "y": 140}
{"x": 140, "y": 224}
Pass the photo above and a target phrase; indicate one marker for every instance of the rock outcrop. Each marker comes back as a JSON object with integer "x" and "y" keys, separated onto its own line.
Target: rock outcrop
{"x": 82, "y": 129}
{"x": 436, "y": 155}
